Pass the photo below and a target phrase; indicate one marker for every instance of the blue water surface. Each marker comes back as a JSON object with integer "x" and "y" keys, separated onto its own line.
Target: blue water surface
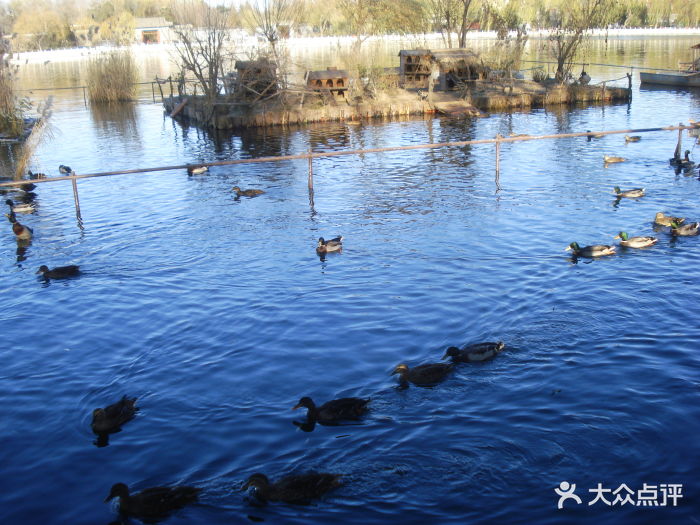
{"x": 218, "y": 315}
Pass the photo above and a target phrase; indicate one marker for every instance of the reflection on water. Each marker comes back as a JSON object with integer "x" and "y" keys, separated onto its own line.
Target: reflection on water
{"x": 218, "y": 315}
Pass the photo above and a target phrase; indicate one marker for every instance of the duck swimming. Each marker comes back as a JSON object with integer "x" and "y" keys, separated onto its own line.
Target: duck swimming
{"x": 687, "y": 230}
{"x": 630, "y": 194}
{"x": 60, "y": 272}
{"x": 422, "y": 375}
{"x": 154, "y": 503}
{"x": 633, "y": 138}
{"x": 23, "y": 233}
{"x": 609, "y": 159}
{"x": 595, "y": 250}
{"x": 27, "y": 207}
{"x": 636, "y": 242}
{"x": 196, "y": 170}
{"x": 65, "y": 169}
{"x": 331, "y": 245}
{"x": 682, "y": 163}
{"x": 474, "y": 352}
{"x": 299, "y": 488}
{"x": 109, "y": 420}
{"x": 667, "y": 220}
{"x": 247, "y": 193}
{"x": 335, "y": 410}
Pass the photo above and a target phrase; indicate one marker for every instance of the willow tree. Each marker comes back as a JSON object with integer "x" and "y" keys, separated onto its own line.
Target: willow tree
{"x": 203, "y": 50}
{"x": 570, "y": 29}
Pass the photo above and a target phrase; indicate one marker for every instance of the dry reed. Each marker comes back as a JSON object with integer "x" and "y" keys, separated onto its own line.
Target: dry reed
{"x": 41, "y": 132}
{"x": 112, "y": 77}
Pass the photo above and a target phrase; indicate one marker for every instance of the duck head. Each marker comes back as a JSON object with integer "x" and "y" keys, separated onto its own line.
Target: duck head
{"x": 119, "y": 490}
{"x": 257, "y": 481}
{"x": 305, "y": 402}
{"x": 572, "y": 247}
{"x": 9, "y": 203}
{"x": 43, "y": 269}
{"x": 452, "y": 351}
{"x": 616, "y": 189}
{"x": 621, "y": 235}
{"x": 400, "y": 369}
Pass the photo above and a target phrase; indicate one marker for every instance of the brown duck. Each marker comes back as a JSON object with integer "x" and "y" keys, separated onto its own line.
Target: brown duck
{"x": 153, "y": 503}
{"x": 474, "y": 352}
{"x": 247, "y": 193}
{"x": 110, "y": 419}
{"x": 423, "y": 375}
{"x": 300, "y": 488}
{"x": 335, "y": 410}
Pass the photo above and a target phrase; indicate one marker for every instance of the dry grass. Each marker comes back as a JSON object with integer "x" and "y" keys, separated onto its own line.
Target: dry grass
{"x": 112, "y": 77}
{"x": 11, "y": 108}
{"x": 40, "y": 133}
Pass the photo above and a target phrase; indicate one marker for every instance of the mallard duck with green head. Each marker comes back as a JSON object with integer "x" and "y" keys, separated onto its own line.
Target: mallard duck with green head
{"x": 345, "y": 408}
{"x": 630, "y": 194}
{"x": 595, "y": 250}
{"x": 474, "y": 352}
{"x": 667, "y": 220}
{"x": 686, "y": 230}
{"x": 297, "y": 488}
{"x": 331, "y": 245}
{"x": 22, "y": 232}
{"x": 422, "y": 375}
{"x": 154, "y": 503}
{"x": 636, "y": 242}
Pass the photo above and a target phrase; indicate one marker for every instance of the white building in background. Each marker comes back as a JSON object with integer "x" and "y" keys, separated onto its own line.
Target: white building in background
{"x": 154, "y": 30}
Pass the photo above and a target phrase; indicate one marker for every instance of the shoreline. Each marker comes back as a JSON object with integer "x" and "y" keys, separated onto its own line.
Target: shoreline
{"x": 76, "y": 53}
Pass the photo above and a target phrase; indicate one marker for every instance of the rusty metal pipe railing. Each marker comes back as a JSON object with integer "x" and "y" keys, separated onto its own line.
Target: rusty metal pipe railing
{"x": 310, "y": 156}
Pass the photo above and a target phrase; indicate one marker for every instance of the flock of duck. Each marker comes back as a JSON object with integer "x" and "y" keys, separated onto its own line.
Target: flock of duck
{"x": 677, "y": 228}
{"x": 156, "y": 503}
{"x": 153, "y": 504}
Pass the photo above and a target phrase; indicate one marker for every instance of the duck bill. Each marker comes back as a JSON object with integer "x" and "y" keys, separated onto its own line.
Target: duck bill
{"x": 296, "y": 406}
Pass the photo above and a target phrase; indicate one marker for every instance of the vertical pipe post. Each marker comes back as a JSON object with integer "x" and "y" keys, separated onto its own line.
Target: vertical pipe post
{"x": 170, "y": 78}
{"x": 498, "y": 160}
{"x": 679, "y": 144}
{"x": 76, "y": 200}
{"x": 311, "y": 182}
{"x": 84, "y": 97}
{"x": 311, "y": 172}
{"x": 153, "y": 92}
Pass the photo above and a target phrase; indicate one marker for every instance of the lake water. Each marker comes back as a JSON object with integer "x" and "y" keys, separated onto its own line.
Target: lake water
{"x": 218, "y": 315}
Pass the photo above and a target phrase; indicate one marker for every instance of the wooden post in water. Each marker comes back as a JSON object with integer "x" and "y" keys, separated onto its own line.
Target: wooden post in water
{"x": 170, "y": 78}
{"x": 76, "y": 200}
{"x": 153, "y": 92}
{"x": 84, "y": 97}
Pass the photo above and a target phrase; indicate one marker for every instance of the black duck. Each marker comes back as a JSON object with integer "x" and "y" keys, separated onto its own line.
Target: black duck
{"x": 335, "y": 410}
{"x": 60, "y": 272}
{"x": 423, "y": 375}
{"x": 474, "y": 352}
{"x": 153, "y": 503}
{"x": 300, "y": 488}
{"x": 111, "y": 418}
